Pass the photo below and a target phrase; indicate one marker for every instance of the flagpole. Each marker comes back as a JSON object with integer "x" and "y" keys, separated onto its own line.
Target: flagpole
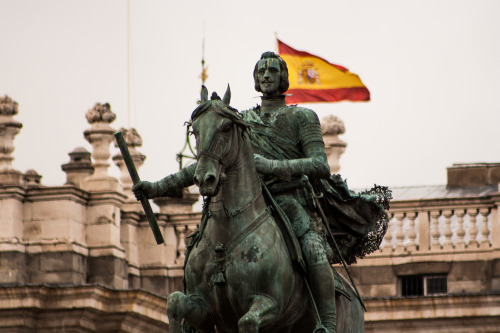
{"x": 128, "y": 66}
{"x": 276, "y": 46}
{"x": 203, "y": 75}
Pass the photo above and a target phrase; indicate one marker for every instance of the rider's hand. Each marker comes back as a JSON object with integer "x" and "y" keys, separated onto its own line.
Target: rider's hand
{"x": 263, "y": 165}
{"x": 272, "y": 167}
{"x": 144, "y": 188}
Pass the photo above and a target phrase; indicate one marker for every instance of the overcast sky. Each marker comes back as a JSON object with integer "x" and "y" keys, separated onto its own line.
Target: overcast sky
{"x": 432, "y": 68}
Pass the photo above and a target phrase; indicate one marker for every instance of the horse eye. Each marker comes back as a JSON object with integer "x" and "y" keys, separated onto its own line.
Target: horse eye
{"x": 226, "y": 129}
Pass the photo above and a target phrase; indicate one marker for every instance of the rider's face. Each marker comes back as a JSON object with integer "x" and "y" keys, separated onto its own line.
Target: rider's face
{"x": 268, "y": 76}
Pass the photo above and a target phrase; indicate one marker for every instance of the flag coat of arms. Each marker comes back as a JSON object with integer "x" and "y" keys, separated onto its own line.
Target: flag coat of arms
{"x": 313, "y": 79}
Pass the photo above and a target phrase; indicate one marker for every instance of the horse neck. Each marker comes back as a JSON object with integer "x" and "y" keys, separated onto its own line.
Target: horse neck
{"x": 242, "y": 183}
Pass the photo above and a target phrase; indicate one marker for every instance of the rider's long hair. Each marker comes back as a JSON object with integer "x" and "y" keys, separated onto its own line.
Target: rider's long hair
{"x": 284, "y": 84}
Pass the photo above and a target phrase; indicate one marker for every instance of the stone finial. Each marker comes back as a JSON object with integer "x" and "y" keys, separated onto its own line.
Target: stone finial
{"x": 32, "y": 178}
{"x": 9, "y": 128}
{"x": 332, "y": 127}
{"x": 100, "y": 113}
{"x": 133, "y": 140}
{"x": 100, "y": 135}
{"x": 8, "y": 107}
{"x": 79, "y": 167}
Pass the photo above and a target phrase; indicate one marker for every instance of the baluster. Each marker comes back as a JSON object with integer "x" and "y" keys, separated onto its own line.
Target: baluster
{"x": 435, "y": 230}
{"x": 388, "y": 235}
{"x": 412, "y": 235}
{"x": 400, "y": 236}
{"x": 485, "y": 232}
{"x": 460, "y": 244}
{"x": 447, "y": 245}
{"x": 473, "y": 228}
{"x": 424, "y": 231}
{"x": 181, "y": 231}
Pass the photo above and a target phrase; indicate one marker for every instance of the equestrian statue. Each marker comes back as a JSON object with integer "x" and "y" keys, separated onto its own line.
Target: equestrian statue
{"x": 274, "y": 220}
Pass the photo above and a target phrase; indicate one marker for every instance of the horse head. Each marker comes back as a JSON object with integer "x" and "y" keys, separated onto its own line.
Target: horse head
{"x": 217, "y": 128}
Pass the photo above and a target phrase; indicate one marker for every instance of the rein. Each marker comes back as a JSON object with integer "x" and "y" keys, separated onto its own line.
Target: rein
{"x": 234, "y": 212}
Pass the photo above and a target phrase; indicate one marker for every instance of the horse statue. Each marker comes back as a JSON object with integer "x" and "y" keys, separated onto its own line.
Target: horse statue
{"x": 239, "y": 275}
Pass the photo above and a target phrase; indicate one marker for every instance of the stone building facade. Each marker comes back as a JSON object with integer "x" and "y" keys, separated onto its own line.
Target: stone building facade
{"x": 81, "y": 257}
{"x": 438, "y": 269}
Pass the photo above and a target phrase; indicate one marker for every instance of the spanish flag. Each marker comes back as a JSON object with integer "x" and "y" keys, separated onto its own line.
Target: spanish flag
{"x": 313, "y": 79}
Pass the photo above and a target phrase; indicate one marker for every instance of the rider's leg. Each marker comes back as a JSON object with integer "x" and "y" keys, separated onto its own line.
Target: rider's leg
{"x": 262, "y": 310}
{"x": 320, "y": 278}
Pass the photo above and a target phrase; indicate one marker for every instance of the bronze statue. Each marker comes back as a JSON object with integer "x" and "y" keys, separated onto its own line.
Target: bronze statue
{"x": 244, "y": 268}
{"x": 291, "y": 141}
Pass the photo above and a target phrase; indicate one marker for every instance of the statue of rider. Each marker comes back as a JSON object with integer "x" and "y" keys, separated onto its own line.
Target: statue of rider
{"x": 288, "y": 144}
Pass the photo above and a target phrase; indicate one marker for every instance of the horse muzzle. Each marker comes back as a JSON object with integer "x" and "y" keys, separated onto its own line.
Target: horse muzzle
{"x": 207, "y": 179}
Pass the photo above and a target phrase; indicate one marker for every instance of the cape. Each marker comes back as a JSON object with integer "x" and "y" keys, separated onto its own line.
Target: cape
{"x": 358, "y": 221}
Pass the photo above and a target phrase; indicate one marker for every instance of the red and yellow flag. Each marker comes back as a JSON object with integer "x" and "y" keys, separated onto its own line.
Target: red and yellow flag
{"x": 313, "y": 79}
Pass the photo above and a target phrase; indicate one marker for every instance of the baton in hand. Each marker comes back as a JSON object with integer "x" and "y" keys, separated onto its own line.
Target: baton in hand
{"x": 135, "y": 179}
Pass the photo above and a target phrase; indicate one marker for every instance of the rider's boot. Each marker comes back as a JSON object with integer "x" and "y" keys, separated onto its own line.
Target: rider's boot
{"x": 323, "y": 289}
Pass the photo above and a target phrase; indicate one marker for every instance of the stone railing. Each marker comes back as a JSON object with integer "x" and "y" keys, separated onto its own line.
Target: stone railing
{"x": 441, "y": 226}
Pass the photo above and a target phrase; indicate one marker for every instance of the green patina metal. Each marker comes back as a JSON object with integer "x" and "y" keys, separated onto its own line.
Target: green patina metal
{"x": 262, "y": 263}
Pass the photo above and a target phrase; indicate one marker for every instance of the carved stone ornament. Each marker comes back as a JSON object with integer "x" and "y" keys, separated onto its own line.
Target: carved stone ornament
{"x": 32, "y": 178}
{"x": 100, "y": 135}
{"x": 9, "y": 128}
{"x": 132, "y": 138}
{"x": 8, "y": 106}
{"x": 100, "y": 113}
{"x": 332, "y": 125}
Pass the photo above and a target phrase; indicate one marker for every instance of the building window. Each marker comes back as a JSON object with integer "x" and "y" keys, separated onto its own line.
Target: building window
{"x": 424, "y": 285}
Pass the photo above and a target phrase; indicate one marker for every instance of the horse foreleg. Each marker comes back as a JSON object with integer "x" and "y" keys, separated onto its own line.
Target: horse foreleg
{"x": 262, "y": 311}
{"x": 190, "y": 308}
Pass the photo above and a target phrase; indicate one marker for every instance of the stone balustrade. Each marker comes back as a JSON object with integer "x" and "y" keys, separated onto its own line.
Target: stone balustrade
{"x": 438, "y": 229}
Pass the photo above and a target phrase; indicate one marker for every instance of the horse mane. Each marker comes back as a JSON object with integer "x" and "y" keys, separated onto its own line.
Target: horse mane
{"x": 222, "y": 109}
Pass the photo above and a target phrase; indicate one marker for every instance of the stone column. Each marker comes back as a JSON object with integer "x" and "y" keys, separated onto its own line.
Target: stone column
{"x": 131, "y": 209}
{"x": 12, "y": 195}
{"x": 100, "y": 135}
{"x": 332, "y": 127}
{"x": 107, "y": 261}
{"x": 8, "y": 130}
{"x": 133, "y": 140}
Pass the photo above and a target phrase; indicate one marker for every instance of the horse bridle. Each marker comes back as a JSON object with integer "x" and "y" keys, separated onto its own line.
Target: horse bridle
{"x": 216, "y": 149}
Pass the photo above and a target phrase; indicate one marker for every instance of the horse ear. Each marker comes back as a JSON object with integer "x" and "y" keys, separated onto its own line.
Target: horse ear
{"x": 204, "y": 94}
{"x": 227, "y": 96}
